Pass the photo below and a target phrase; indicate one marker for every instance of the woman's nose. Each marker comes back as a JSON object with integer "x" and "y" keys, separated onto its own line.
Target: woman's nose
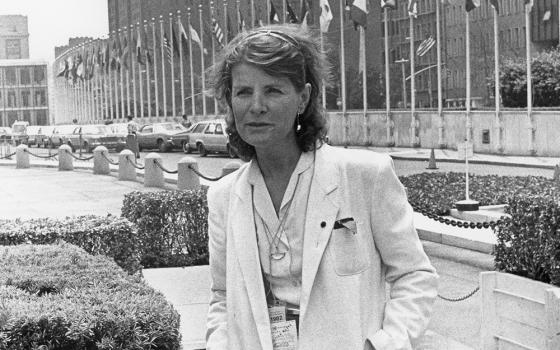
{"x": 258, "y": 105}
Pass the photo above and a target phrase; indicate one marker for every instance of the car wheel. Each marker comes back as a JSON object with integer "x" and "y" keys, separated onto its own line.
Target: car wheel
{"x": 201, "y": 150}
{"x": 161, "y": 146}
{"x": 186, "y": 147}
{"x": 231, "y": 152}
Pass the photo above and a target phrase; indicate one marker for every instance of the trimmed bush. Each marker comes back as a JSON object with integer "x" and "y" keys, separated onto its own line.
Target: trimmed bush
{"x": 172, "y": 226}
{"x": 529, "y": 243}
{"x": 109, "y": 235}
{"x": 60, "y": 297}
{"x": 438, "y": 192}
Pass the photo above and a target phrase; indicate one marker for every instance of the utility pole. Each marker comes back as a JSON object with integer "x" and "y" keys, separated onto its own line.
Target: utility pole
{"x": 402, "y": 61}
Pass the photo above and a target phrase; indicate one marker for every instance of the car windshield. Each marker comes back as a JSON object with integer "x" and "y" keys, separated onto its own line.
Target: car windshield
{"x": 171, "y": 127}
{"x": 94, "y": 129}
{"x": 18, "y": 128}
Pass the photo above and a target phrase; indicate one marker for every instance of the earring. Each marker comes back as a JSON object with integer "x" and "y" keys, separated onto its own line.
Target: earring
{"x": 298, "y": 124}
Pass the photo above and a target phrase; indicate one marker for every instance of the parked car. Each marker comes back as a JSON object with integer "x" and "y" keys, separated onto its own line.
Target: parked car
{"x": 33, "y": 134}
{"x": 159, "y": 135}
{"x": 208, "y": 136}
{"x": 60, "y": 134}
{"x": 44, "y": 135}
{"x": 19, "y": 131}
{"x": 87, "y": 137}
{"x": 5, "y": 134}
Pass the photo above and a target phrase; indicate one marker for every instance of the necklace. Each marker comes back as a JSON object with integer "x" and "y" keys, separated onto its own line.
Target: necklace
{"x": 274, "y": 240}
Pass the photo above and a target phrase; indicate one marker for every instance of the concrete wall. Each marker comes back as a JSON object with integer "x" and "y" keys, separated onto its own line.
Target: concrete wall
{"x": 514, "y": 137}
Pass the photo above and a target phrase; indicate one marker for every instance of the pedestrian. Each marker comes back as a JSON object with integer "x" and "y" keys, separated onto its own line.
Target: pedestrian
{"x": 132, "y": 137}
{"x": 304, "y": 237}
{"x": 186, "y": 122}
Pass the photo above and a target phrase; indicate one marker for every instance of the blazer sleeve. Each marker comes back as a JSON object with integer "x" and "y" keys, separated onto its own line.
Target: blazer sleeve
{"x": 216, "y": 334}
{"x": 412, "y": 278}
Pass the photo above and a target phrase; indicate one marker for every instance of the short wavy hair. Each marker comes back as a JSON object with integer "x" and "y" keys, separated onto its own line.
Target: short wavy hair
{"x": 287, "y": 51}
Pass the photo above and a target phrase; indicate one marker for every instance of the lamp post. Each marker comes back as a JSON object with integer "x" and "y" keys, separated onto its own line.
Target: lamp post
{"x": 402, "y": 61}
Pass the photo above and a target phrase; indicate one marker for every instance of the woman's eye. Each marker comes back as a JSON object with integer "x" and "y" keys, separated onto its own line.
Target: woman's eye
{"x": 274, "y": 91}
{"x": 242, "y": 92}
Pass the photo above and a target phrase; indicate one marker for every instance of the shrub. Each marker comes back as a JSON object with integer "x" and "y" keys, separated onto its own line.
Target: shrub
{"x": 528, "y": 244}
{"x": 438, "y": 192}
{"x": 109, "y": 235}
{"x": 59, "y": 297}
{"x": 172, "y": 226}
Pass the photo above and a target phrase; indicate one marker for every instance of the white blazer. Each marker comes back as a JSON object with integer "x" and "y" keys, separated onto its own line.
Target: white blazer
{"x": 343, "y": 301}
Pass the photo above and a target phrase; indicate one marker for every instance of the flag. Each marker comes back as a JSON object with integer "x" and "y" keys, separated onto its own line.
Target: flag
{"x": 107, "y": 57}
{"x": 241, "y": 25}
{"x": 530, "y": 3}
{"x": 229, "y": 29}
{"x": 139, "y": 55}
{"x": 358, "y": 13}
{"x": 546, "y": 16}
{"x": 184, "y": 38}
{"x": 116, "y": 54}
{"x": 291, "y": 15}
{"x": 217, "y": 32}
{"x": 390, "y": 4}
{"x": 494, "y": 3}
{"x": 194, "y": 36}
{"x": 79, "y": 68}
{"x": 175, "y": 41}
{"x": 147, "y": 51}
{"x": 326, "y": 16}
{"x": 62, "y": 68}
{"x": 167, "y": 45}
{"x": 471, "y": 5}
{"x": 273, "y": 16}
{"x": 124, "y": 56}
{"x": 304, "y": 12}
{"x": 412, "y": 8}
{"x": 425, "y": 46}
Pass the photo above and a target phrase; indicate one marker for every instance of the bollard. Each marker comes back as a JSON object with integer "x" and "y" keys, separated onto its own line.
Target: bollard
{"x": 22, "y": 157}
{"x": 230, "y": 168}
{"x": 65, "y": 160}
{"x": 153, "y": 175}
{"x": 100, "y": 163}
{"x": 127, "y": 172}
{"x": 186, "y": 178}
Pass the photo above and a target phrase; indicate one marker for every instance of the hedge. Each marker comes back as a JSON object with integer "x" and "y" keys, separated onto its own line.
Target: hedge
{"x": 172, "y": 226}
{"x": 109, "y": 235}
{"x": 60, "y": 297}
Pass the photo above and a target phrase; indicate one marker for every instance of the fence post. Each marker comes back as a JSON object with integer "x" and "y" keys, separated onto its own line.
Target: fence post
{"x": 230, "y": 168}
{"x": 153, "y": 175}
{"x": 100, "y": 163}
{"x": 65, "y": 161}
{"x": 488, "y": 311}
{"x": 552, "y": 309}
{"x": 127, "y": 172}
{"x": 186, "y": 178}
{"x": 22, "y": 157}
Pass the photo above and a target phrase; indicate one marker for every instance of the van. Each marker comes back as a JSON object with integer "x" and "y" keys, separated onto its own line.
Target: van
{"x": 19, "y": 132}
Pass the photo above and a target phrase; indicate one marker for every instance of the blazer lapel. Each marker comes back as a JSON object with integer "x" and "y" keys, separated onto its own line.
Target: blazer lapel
{"x": 245, "y": 242}
{"x": 322, "y": 209}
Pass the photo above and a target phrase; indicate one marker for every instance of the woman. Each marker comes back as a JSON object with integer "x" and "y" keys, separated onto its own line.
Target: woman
{"x": 304, "y": 237}
{"x": 132, "y": 137}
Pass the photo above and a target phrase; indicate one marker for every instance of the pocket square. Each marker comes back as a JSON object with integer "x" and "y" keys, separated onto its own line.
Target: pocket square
{"x": 348, "y": 223}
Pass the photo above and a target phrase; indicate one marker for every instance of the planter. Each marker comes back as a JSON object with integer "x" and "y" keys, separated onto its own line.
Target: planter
{"x": 518, "y": 313}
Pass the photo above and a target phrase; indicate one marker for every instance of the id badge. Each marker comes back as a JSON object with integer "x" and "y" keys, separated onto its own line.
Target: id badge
{"x": 284, "y": 335}
{"x": 277, "y": 313}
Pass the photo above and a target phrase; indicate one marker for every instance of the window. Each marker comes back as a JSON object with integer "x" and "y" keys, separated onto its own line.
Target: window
{"x": 26, "y": 98}
{"x": 147, "y": 129}
{"x": 40, "y": 98}
{"x": 38, "y": 74}
{"x": 199, "y": 128}
{"x": 211, "y": 128}
{"x": 13, "y": 48}
{"x": 24, "y": 76}
{"x": 219, "y": 129}
{"x": 11, "y": 99}
{"x": 11, "y": 76}
{"x": 41, "y": 117}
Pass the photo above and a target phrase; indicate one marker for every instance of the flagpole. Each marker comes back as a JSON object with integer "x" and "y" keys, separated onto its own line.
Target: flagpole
{"x": 226, "y": 24}
{"x": 105, "y": 103}
{"x": 121, "y": 70}
{"x": 387, "y": 75}
{"x": 497, "y": 81}
{"x": 362, "y": 33}
{"x": 181, "y": 69}
{"x": 439, "y": 89}
{"x": 284, "y": 9}
{"x": 268, "y": 9}
{"x": 529, "y": 77}
{"x": 203, "y": 92}
{"x": 238, "y": 15}
{"x": 213, "y": 42}
{"x": 171, "y": 47}
{"x": 108, "y": 73}
{"x": 163, "y": 87}
{"x": 133, "y": 68}
{"x": 253, "y": 13}
{"x": 323, "y": 87}
{"x": 342, "y": 59}
{"x": 154, "y": 66}
{"x": 139, "y": 55}
{"x": 413, "y": 137}
{"x": 127, "y": 73}
{"x": 148, "y": 82}
{"x": 191, "y": 70}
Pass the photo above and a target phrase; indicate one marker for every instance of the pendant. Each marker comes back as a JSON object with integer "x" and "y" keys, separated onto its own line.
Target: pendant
{"x": 277, "y": 255}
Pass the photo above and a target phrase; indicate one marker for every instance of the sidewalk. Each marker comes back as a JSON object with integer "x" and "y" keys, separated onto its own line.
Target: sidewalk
{"x": 42, "y": 191}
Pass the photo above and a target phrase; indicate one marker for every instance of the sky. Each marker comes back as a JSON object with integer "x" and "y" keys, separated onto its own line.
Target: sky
{"x": 52, "y": 22}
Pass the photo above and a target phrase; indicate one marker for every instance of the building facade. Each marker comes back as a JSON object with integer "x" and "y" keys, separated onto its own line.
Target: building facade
{"x": 14, "y": 37}
{"x": 23, "y": 92}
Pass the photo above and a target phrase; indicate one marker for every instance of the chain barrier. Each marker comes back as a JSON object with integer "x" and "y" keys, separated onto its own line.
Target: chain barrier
{"x": 40, "y": 156}
{"x": 204, "y": 177}
{"x": 108, "y": 159}
{"x": 453, "y": 300}
{"x": 140, "y": 167}
{"x": 79, "y": 158}
{"x": 162, "y": 168}
{"x": 447, "y": 221}
{"x": 8, "y": 156}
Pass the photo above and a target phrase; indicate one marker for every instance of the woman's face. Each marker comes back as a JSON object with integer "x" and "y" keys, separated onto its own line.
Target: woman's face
{"x": 265, "y": 107}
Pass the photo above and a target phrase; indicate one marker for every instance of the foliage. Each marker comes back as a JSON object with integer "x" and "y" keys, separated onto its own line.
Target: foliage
{"x": 59, "y": 297}
{"x": 545, "y": 73}
{"x": 438, "y": 192}
{"x": 172, "y": 226}
{"x": 529, "y": 243}
{"x": 112, "y": 236}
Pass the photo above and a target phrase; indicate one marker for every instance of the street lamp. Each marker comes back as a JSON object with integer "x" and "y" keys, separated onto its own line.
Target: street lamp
{"x": 402, "y": 61}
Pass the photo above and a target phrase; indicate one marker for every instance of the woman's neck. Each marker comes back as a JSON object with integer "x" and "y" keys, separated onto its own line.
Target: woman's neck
{"x": 279, "y": 162}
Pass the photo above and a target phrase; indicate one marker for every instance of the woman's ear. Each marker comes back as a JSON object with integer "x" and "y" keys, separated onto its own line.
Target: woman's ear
{"x": 305, "y": 95}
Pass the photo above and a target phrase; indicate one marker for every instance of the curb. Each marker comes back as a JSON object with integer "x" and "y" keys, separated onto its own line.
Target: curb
{"x": 474, "y": 161}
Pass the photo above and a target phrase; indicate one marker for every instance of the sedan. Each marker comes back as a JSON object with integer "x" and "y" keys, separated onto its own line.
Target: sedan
{"x": 159, "y": 135}
{"x": 208, "y": 136}
{"x": 88, "y": 137}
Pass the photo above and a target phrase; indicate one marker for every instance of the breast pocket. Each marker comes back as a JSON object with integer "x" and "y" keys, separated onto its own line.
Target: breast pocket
{"x": 348, "y": 251}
